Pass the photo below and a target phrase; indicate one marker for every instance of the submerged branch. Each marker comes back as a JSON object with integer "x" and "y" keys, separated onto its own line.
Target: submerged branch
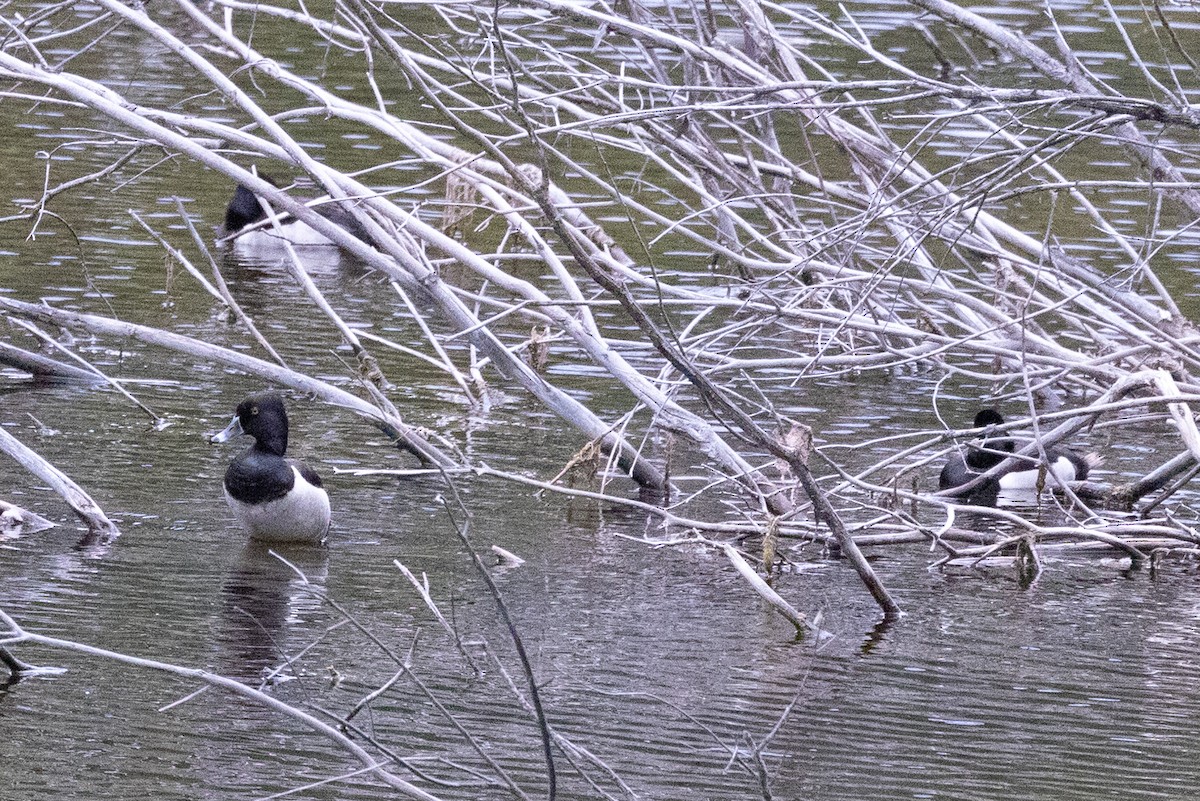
{"x": 101, "y": 530}
{"x": 43, "y": 368}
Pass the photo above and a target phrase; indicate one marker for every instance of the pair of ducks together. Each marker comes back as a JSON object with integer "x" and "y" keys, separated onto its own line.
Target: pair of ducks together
{"x": 275, "y": 499}
{"x": 279, "y": 500}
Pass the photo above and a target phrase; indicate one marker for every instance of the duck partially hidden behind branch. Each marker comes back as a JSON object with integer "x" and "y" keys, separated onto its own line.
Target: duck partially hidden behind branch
{"x": 247, "y": 223}
{"x": 973, "y": 460}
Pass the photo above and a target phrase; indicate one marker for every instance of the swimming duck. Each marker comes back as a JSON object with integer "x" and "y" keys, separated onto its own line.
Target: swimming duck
{"x": 1064, "y": 463}
{"x": 274, "y": 498}
{"x": 245, "y": 222}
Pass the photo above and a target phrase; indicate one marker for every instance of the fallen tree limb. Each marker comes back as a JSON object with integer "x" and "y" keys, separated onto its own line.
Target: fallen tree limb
{"x": 43, "y": 368}
{"x": 389, "y": 424}
{"x": 101, "y": 530}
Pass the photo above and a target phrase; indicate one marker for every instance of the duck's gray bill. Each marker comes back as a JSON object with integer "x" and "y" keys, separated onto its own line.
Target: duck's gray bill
{"x": 234, "y": 429}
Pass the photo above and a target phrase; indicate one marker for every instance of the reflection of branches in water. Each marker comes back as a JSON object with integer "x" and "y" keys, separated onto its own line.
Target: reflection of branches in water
{"x": 15, "y": 666}
{"x": 14, "y": 633}
{"x": 262, "y": 595}
{"x": 866, "y": 223}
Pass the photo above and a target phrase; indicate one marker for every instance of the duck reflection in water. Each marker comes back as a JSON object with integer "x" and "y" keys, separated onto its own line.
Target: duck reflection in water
{"x": 268, "y": 592}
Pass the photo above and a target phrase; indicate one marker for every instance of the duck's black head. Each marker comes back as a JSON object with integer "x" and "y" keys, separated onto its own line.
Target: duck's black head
{"x": 243, "y": 209}
{"x": 988, "y": 417}
{"x": 992, "y": 451}
{"x": 263, "y": 417}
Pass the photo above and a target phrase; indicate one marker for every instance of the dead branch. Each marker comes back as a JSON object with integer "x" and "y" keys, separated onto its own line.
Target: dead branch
{"x": 101, "y": 530}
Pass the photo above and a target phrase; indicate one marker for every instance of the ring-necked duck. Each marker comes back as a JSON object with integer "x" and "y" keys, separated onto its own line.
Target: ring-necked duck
{"x": 246, "y": 222}
{"x": 275, "y": 499}
{"x": 1064, "y": 463}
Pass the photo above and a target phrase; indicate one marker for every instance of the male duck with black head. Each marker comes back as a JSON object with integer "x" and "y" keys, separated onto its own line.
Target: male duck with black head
{"x": 1064, "y": 463}
{"x": 246, "y": 222}
{"x": 274, "y": 498}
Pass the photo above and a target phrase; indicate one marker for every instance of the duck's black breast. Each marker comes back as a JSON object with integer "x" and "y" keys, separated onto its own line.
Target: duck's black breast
{"x": 955, "y": 473}
{"x": 259, "y": 477}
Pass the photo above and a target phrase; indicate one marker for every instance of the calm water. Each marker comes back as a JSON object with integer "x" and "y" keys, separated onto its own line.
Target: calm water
{"x": 660, "y": 662}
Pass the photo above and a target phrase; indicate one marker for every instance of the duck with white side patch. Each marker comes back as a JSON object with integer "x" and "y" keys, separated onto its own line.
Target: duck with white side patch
{"x": 274, "y": 498}
{"x": 1064, "y": 464}
{"x": 250, "y": 229}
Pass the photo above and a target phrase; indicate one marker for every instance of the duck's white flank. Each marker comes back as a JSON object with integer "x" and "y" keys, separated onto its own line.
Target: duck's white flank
{"x": 271, "y": 239}
{"x": 1062, "y": 468}
{"x": 300, "y": 516}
